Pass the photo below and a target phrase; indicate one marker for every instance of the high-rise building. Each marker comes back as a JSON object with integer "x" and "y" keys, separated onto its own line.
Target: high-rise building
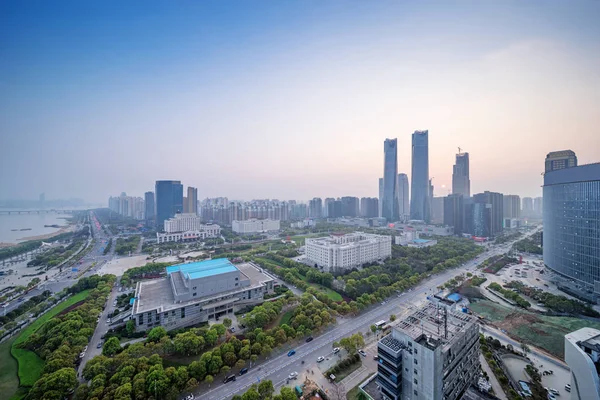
{"x": 369, "y": 207}
{"x": 403, "y": 197}
{"x": 512, "y": 206}
{"x": 488, "y": 217}
{"x": 185, "y": 205}
{"x": 433, "y": 354}
{"x": 169, "y": 200}
{"x": 582, "y": 354}
{"x": 538, "y": 206}
{"x": 149, "y": 208}
{"x": 454, "y": 212}
{"x": 420, "y": 204}
{"x": 334, "y": 209}
{"x": 461, "y": 183}
{"x": 328, "y": 201}
{"x": 560, "y": 160}
{"x": 389, "y": 206}
{"x": 192, "y": 200}
{"x": 380, "y": 196}
{"x": 437, "y": 210}
{"x": 350, "y": 206}
{"x": 527, "y": 207}
{"x": 572, "y": 227}
{"x": 315, "y": 208}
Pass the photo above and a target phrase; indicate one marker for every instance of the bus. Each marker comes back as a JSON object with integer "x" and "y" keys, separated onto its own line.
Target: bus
{"x": 380, "y": 324}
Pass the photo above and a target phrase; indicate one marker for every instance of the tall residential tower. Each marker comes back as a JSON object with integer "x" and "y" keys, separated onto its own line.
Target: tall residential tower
{"x": 403, "y": 196}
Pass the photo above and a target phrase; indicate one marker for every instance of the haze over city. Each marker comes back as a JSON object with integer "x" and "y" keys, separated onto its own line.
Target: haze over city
{"x": 290, "y": 100}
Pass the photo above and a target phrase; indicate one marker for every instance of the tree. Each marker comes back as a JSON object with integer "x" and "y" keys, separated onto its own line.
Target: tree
{"x": 209, "y": 379}
{"x": 130, "y": 327}
{"x": 525, "y": 348}
{"x": 373, "y": 328}
{"x": 227, "y": 322}
{"x": 393, "y": 317}
{"x": 251, "y": 394}
{"x": 156, "y": 334}
{"x": 287, "y": 394}
{"x": 111, "y": 347}
{"x": 265, "y": 389}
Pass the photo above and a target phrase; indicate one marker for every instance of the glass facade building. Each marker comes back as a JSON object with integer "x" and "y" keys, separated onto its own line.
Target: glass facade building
{"x": 389, "y": 204}
{"x": 572, "y": 227}
{"x": 420, "y": 203}
{"x": 169, "y": 201}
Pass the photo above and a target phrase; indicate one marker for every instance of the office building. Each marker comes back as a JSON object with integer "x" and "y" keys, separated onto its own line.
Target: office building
{"x": 582, "y": 354}
{"x": 403, "y": 197}
{"x": 169, "y": 200}
{"x": 346, "y": 251}
{"x": 389, "y": 206}
{"x": 572, "y": 228}
{"x": 560, "y": 160}
{"x": 461, "y": 183}
{"x": 454, "y": 212}
{"x": 201, "y": 232}
{"x": 369, "y": 207}
{"x": 196, "y": 292}
{"x": 350, "y": 206}
{"x": 315, "y": 208}
{"x": 380, "y": 196}
{"x": 192, "y": 200}
{"x": 182, "y": 223}
{"x": 527, "y": 207}
{"x": 512, "y": 206}
{"x": 488, "y": 217}
{"x": 433, "y": 354}
{"x": 149, "y": 208}
{"x": 437, "y": 210}
{"x": 419, "y": 196}
{"x": 255, "y": 226}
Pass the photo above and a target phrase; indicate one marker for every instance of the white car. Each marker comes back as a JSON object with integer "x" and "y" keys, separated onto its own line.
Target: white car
{"x": 554, "y": 392}
{"x": 293, "y": 375}
{"x": 336, "y": 350}
{"x": 362, "y": 353}
{"x": 320, "y": 359}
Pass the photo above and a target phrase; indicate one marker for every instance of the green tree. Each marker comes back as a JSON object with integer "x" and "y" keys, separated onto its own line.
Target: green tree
{"x": 392, "y": 317}
{"x": 111, "y": 347}
{"x": 251, "y": 394}
{"x": 227, "y": 322}
{"x": 209, "y": 379}
{"x": 265, "y": 389}
{"x": 287, "y": 394}
{"x": 156, "y": 334}
{"x": 373, "y": 328}
{"x": 130, "y": 327}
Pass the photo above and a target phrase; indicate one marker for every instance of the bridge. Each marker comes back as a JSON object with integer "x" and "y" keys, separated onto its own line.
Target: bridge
{"x": 50, "y": 211}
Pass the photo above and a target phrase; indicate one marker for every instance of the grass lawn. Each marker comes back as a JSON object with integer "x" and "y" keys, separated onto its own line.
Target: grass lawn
{"x": 9, "y": 382}
{"x": 30, "y": 365}
{"x": 286, "y": 317}
{"x": 332, "y": 294}
{"x": 341, "y": 375}
{"x": 538, "y": 330}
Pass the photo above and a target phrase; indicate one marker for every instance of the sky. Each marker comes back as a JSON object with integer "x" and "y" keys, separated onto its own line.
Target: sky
{"x": 290, "y": 99}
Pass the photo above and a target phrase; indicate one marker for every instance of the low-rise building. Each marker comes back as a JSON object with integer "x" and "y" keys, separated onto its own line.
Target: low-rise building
{"x": 582, "y": 354}
{"x": 196, "y": 292}
{"x": 255, "y": 226}
{"x": 433, "y": 354}
{"x": 438, "y": 230}
{"x": 345, "y": 251}
{"x": 200, "y": 233}
{"x": 183, "y": 222}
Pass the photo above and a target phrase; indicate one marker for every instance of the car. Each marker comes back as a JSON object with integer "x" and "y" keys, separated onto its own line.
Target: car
{"x": 81, "y": 355}
{"x": 229, "y": 378}
{"x": 383, "y": 303}
{"x": 291, "y": 353}
{"x": 568, "y": 387}
{"x": 362, "y": 353}
{"x": 189, "y": 397}
{"x": 320, "y": 359}
{"x": 108, "y": 321}
{"x": 336, "y": 350}
{"x": 85, "y": 349}
{"x": 554, "y": 391}
{"x": 243, "y": 371}
{"x": 232, "y": 329}
{"x": 293, "y": 375}
{"x": 551, "y": 396}
{"x": 309, "y": 339}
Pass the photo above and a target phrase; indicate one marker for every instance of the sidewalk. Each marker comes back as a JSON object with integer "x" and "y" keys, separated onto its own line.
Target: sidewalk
{"x": 495, "y": 384}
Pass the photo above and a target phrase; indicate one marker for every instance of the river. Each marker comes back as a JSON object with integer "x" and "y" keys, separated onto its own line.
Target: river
{"x": 35, "y": 222}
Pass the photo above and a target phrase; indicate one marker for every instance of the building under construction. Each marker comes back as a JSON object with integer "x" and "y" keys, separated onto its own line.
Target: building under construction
{"x": 433, "y": 354}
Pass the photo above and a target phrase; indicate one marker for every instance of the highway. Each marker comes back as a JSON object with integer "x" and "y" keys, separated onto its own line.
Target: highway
{"x": 279, "y": 366}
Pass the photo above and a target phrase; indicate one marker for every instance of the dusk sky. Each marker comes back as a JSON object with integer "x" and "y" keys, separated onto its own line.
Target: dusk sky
{"x": 290, "y": 100}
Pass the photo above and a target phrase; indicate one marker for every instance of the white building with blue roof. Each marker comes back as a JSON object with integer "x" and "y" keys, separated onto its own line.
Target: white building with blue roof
{"x": 198, "y": 291}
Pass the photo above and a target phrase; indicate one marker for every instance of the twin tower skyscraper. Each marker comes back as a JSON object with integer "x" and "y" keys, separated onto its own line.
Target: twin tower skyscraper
{"x": 393, "y": 187}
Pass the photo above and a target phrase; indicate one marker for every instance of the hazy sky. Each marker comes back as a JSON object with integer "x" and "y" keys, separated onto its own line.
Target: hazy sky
{"x": 290, "y": 100}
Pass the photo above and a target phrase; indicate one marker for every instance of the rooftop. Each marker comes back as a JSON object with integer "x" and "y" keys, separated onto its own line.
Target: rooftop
{"x": 203, "y": 269}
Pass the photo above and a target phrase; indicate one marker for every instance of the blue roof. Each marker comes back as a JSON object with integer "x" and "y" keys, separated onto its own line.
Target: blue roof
{"x": 455, "y": 297}
{"x": 421, "y": 240}
{"x": 202, "y": 269}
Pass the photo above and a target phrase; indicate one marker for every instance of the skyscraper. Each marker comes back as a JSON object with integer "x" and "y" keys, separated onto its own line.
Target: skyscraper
{"x": 403, "y": 196}
{"x": 380, "y": 196}
{"x": 538, "y": 206}
{"x": 461, "y": 184}
{"x": 315, "y": 207}
{"x": 369, "y": 207}
{"x": 350, "y": 206}
{"x": 389, "y": 206}
{"x": 512, "y": 206}
{"x": 527, "y": 204}
{"x": 326, "y": 204}
{"x": 437, "y": 210}
{"x": 419, "y": 197}
{"x": 454, "y": 212}
{"x": 149, "y": 208}
{"x": 560, "y": 159}
{"x": 488, "y": 213}
{"x": 169, "y": 201}
{"x": 192, "y": 200}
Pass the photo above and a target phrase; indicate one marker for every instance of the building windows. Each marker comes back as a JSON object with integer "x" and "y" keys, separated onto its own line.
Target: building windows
{"x": 194, "y": 294}
{"x": 416, "y": 351}
{"x": 416, "y": 393}
{"x": 415, "y": 381}
{"x": 194, "y": 288}
{"x": 416, "y": 372}
{"x": 416, "y": 362}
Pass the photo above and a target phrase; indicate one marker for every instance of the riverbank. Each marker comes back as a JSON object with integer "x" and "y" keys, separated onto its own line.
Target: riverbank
{"x": 4, "y": 245}
{"x": 64, "y": 229}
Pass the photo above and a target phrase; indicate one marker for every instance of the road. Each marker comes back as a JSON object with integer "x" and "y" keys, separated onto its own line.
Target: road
{"x": 279, "y": 366}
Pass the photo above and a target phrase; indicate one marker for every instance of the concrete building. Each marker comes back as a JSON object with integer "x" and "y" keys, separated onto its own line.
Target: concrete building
{"x": 433, "y": 354}
{"x": 369, "y": 207}
{"x": 572, "y": 228}
{"x": 560, "y": 160}
{"x": 128, "y": 206}
{"x": 182, "y": 222}
{"x": 202, "y": 232}
{"x": 169, "y": 200}
{"x": 342, "y": 252}
{"x": 437, "y": 210}
{"x": 538, "y": 206}
{"x": 403, "y": 197}
{"x": 192, "y": 200}
{"x": 425, "y": 229}
{"x": 196, "y": 292}
{"x": 326, "y": 203}
{"x": 488, "y": 214}
{"x": 315, "y": 208}
{"x": 420, "y": 202}
{"x": 461, "y": 183}
{"x": 527, "y": 207}
{"x": 389, "y": 201}
{"x": 255, "y": 226}
{"x": 454, "y": 212}
{"x": 350, "y": 206}
{"x": 511, "y": 206}
{"x": 150, "y": 212}
{"x": 380, "y": 196}
{"x": 412, "y": 239}
{"x": 334, "y": 209}
{"x": 582, "y": 354}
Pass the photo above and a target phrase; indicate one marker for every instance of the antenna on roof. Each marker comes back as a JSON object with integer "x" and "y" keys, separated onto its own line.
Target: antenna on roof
{"x": 458, "y": 149}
